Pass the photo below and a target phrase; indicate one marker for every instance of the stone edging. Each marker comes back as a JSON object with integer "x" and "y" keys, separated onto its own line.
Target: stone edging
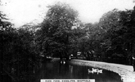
{"x": 126, "y": 75}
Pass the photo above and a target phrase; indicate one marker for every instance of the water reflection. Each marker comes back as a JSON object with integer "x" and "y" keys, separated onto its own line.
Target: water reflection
{"x": 64, "y": 70}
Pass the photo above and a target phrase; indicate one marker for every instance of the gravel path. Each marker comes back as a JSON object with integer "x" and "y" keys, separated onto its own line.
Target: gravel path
{"x": 125, "y": 71}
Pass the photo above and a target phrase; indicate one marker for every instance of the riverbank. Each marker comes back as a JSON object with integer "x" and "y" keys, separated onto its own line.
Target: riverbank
{"x": 125, "y": 71}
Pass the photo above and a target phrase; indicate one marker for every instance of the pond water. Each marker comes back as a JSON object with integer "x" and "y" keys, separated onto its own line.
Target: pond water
{"x": 65, "y": 70}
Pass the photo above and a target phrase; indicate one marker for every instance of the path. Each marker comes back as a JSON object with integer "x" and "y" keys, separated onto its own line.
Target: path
{"x": 125, "y": 71}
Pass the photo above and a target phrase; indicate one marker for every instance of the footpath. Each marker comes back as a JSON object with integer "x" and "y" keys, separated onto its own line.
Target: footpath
{"x": 125, "y": 71}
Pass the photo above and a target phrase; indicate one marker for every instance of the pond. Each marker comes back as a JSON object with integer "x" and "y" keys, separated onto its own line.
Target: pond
{"x": 65, "y": 70}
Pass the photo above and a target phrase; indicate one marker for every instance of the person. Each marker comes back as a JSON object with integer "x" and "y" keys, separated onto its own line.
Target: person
{"x": 133, "y": 59}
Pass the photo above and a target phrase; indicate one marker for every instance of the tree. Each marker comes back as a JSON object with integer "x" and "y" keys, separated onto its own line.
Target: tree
{"x": 17, "y": 56}
{"x": 127, "y": 32}
{"x": 110, "y": 25}
{"x": 119, "y": 31}
{"x": 56, "y": 30}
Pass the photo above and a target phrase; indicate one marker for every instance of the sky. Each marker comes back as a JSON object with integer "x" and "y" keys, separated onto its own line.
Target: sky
{"x": 25, "y": 11}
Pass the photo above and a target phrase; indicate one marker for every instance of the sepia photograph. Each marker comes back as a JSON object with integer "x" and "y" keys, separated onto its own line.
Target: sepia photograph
{"x": 67, "y": 40}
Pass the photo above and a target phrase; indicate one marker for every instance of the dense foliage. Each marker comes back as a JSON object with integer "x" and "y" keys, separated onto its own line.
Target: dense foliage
{"x": 61, "y": 34}
{"x": 18, "y": 60}
{"x": 56, "y": 30}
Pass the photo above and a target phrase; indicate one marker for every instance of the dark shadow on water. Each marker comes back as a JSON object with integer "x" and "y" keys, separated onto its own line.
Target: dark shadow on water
{"x": 64, "y": 70}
